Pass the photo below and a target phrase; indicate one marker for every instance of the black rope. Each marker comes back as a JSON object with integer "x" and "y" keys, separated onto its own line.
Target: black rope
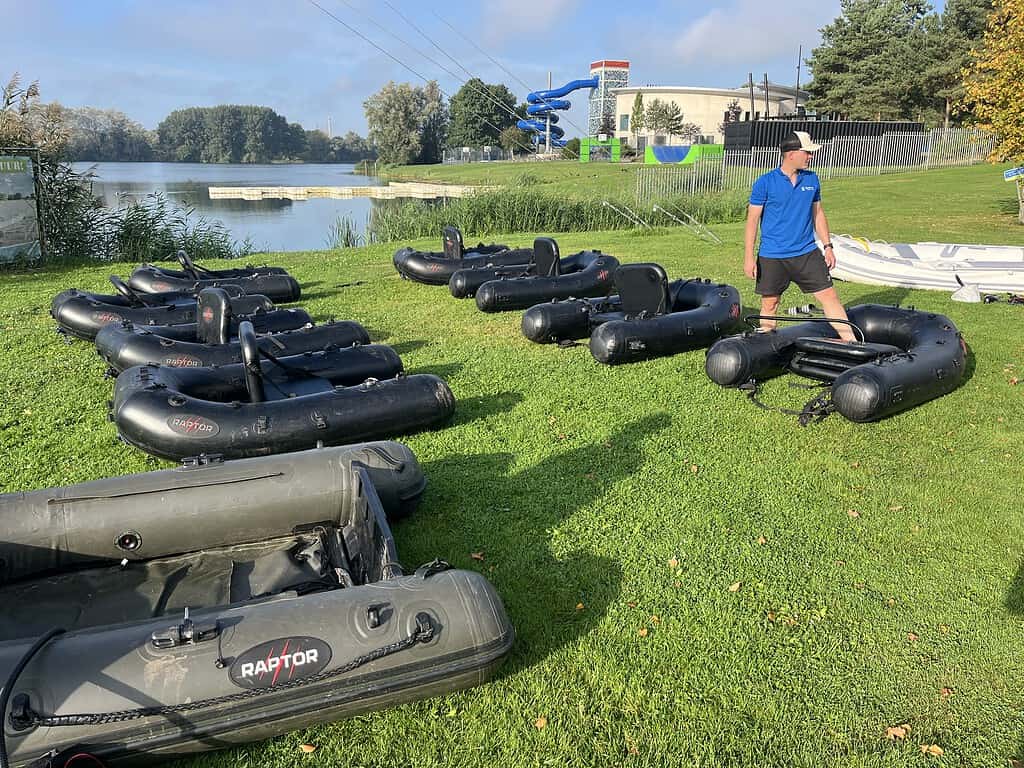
{"x": 12, "y": 680}
{"x": 815, "y": 410}
{"x": 424, "y": 633}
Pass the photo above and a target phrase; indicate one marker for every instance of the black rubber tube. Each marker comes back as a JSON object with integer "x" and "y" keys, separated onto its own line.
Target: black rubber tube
{"x": 12, "y": 680}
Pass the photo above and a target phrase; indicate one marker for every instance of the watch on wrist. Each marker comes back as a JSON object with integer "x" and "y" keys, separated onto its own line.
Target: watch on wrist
{"x": 827, "y": 245}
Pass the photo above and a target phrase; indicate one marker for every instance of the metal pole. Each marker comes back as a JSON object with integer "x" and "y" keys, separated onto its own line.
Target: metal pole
{"x": 767, "y": 106}
{"x": 799, "y": 61}
{"x": 750, "y": 82}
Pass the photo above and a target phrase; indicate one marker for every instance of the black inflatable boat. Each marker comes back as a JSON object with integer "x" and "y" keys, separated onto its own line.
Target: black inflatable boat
{"x": 903, "y": 357}
{"x": 273, "y": 405}
{"x": 272, "y": 282}
{"x": 547, "y": 276}
{"x": 82, "y": 314}
{"x": 213, "y": 340}
{"x": 152, "y": 278}
{"x": 156, "y": 615}
{"x": 435, "y": 268}
{"x": 649, "y": 317}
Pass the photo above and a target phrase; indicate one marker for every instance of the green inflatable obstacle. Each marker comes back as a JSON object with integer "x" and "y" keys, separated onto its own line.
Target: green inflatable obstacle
{"x": 683, "y": 155}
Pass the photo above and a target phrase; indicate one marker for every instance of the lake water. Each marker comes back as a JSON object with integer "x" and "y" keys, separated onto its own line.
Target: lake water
{"x": 270, "y": 225}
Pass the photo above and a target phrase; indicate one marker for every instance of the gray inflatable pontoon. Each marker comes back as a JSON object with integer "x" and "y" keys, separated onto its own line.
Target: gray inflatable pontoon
{"x": 189, "y": 609}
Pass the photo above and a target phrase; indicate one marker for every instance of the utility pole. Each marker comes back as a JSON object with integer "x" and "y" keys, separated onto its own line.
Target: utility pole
{"x": 796, "y": 93}
{"x": 329, "y": 134}
{"x": 767, "y": 107}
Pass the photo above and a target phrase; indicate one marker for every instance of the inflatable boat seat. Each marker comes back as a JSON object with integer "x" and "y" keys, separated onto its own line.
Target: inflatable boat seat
{"x": 643, "y": 289}
{"x": 825, "y": 359}
{"x": 214, "y": 316}
{"x": 856, "y": 351}
{"x": 112, "y": 593}
{"x": 451, "y": 243}
{"x": 545, "y": 258}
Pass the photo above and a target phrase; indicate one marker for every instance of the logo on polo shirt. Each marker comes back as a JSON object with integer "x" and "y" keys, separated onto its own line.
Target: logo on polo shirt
{"x": 806, "y": 189}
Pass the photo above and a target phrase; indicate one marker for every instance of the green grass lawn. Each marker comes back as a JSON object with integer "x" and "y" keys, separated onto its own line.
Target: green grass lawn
{"x": 693, "y": 581}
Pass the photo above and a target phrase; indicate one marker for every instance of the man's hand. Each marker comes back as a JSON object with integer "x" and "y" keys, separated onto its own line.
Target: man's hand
{"x": 750, "y": 267}
{"x": 830, "y": 258}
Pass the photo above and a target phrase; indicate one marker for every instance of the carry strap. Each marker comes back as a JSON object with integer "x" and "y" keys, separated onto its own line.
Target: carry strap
{"x": 815, "y": 410}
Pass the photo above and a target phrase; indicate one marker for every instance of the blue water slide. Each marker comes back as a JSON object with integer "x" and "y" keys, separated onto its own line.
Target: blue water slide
{"x": 546, "y": 103}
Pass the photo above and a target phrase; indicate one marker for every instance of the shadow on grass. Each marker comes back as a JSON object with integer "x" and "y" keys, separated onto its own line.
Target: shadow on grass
{"x": 405, "y": 347}
{"x": 892, "y": 296}
{"x": 552, "y": 599}
{"x": 444, "y": 370}
{"x": 471, "y": 408}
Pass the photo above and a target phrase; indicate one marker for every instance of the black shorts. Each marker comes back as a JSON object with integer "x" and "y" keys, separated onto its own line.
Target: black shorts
{"x": 808, "y": 272}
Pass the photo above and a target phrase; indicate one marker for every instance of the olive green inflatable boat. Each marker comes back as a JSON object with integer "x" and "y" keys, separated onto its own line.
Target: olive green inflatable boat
{"x": 189, "y": 609}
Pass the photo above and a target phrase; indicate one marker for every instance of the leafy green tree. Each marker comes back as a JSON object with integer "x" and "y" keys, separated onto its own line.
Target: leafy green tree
{"x": 434, "y": 122}
{"x": 513, "y": 139}
{"x": 182, "y": 135}
{"x": 318, "y": 147}
{"x": 351, "y": 148}
{"x": 869, "y": 63}
{"x": 950, "y": 41}
{"x": 479, "y": 113}
{"x": 993, "y": 86}
{"x": 637, "y": 119}
{"x": 394, "y": 116}
{"x": 732, "y": 115}
{"x": 106, "y": 135}
{"x": 571, "y": 150}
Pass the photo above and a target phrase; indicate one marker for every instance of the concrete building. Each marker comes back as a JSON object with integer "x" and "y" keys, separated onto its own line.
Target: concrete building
{"x": 707, "y": 107}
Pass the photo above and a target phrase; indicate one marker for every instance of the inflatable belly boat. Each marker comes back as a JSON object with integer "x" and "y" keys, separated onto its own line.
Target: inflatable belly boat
{"x": 153, "y": 278}
{"x": 582, "y": 275}
{"x": 275, "y": 405}
{"x": 277, "y": 285}
{"x": 161, "y": 614}
{"x": 434, "y": 268}
{"x": 903, "y": 357}
{"x": 82, "y": 314}
{"x": 649, "y": 317}
{"x": 213, "y": 340}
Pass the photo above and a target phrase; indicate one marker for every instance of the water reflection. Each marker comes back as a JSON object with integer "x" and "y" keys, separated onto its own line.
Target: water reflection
{"x": 271, "y": 225}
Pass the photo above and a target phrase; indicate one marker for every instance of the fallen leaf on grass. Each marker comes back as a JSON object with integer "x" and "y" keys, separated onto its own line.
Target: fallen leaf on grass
{"x": 307, "y": 748}
{"x": 1014, "y": 381}
{"x": 655, "y": 620}
{"x": 897, "y": 732}
{"x": 912, "y": 637}
{"x": 1016, "y": 763}
{"x": 932, "y": 749}
{"x": 944, "y": 629}
{"x": 642, "y": 631}
{"x": 891, "y": 602}
{"x": 895, "y": 507}
{"x": 540, "y": 723}
{"x": 735, "y": 586}
{"x": 579, "y": 606}
{"x": 854, "y": 464}
{"x": 946, "y": 692}
{"x": 853, "y": 513}
{"x": 477, "y": 555}
{"x": 695, "y": 469}
{"x": 673, "y": 562}
{"x": 762, "y": 540}
{"x": 770, "y": 616}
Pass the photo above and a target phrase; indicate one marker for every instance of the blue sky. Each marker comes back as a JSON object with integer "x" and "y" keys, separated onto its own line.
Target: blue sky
{"x": 147, "y": 58}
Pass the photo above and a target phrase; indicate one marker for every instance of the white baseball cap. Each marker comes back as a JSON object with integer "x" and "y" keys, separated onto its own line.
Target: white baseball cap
{"x": 799, "y": 140}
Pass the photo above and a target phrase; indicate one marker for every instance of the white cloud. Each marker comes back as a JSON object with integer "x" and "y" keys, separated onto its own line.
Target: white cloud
{"x": 505, "y": 20}
{"x": 751, "y": 31}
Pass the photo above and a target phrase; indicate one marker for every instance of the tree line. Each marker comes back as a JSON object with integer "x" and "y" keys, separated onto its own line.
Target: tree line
{"x": 222, "y": 134}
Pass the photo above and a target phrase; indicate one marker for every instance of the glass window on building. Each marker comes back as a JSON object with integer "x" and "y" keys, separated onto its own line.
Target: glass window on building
{"x": 623, "y": 122}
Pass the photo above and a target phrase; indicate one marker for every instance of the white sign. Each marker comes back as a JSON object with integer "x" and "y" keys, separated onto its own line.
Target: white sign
{"x": 1013, "y": 173}
{"x": 19, "y": 226}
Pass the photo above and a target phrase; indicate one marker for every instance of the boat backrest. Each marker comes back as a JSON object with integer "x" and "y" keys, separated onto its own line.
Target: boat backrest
{"x": 213, "y": 316}
{"x": 251, "y": 362}
{"x": 545, "y": 257}
{"x": 643, "y": 289}
{"x": 451, "y": 242}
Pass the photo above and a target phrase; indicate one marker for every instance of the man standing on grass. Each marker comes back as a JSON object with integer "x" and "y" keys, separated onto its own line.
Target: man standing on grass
{"x": 786, "y": 203}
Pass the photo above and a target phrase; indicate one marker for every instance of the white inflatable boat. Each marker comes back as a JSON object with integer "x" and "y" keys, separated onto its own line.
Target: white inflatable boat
{"x": 994, "y": 268}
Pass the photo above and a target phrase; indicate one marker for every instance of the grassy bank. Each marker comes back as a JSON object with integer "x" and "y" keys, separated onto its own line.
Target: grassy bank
{"x": 693, "y": 581}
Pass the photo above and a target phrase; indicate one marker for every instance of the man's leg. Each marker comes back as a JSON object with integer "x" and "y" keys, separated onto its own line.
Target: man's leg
{"x": 833, "y": 307}
{"x": 769, "y": 306}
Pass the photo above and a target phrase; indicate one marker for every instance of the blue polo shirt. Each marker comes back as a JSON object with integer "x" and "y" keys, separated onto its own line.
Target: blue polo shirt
{"x": 787, "y": 226}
